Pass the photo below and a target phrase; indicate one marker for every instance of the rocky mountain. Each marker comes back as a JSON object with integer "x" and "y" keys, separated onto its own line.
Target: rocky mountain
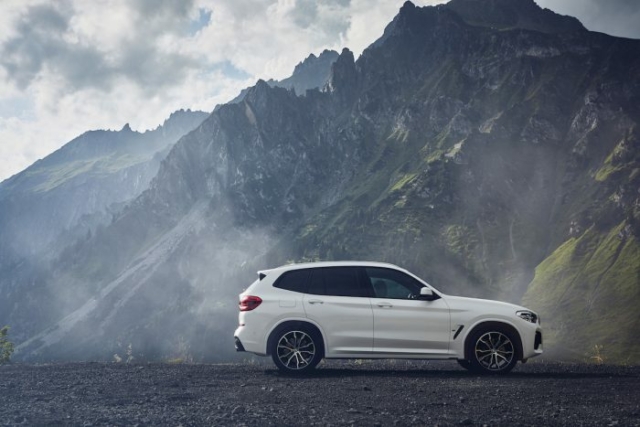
{"x": 312, "y": 73}
{"x": 508, "y": 14}
{"x": 494, "y": 154}
{"x": 82, "y": 180}
{"x": 70, "y": 193}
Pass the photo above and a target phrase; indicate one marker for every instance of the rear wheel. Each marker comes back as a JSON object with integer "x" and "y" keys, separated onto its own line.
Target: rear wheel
{"x": 296, "y": 349}
{"x": 492, "y": 350}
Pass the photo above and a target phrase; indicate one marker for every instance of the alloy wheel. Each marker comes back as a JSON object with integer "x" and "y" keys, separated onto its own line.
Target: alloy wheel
{"x": 494, "y": 351}
{"x": 296, "y": 350}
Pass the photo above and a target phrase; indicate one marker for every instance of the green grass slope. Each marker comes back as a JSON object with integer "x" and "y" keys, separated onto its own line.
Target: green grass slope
{"x": 587, "y": 292}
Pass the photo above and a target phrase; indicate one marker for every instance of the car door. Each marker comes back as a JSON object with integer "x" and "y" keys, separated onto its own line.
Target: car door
{"x": 338, "y": 301}
{"x": 402, "y": 324}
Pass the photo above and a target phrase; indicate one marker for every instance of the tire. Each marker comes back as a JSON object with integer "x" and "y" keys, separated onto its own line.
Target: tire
{"x": 492, "y": 350}
{"x": 296, "y": 350}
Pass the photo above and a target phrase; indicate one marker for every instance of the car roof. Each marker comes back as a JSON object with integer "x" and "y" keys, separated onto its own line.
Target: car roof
{"x": 322, "y": 264}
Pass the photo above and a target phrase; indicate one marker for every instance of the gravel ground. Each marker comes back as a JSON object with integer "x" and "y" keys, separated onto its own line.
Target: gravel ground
{"x": 366, "y": 393}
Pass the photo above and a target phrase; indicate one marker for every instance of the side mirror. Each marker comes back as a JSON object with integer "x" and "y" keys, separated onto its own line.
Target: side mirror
{"x": 427, "y": 294}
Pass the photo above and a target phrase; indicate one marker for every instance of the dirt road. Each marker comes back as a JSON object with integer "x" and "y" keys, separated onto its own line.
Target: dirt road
{"x": 367, "y": 393}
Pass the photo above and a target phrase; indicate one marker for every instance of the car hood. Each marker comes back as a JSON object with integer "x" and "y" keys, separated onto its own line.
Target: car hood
{"x": 457, "y": 303}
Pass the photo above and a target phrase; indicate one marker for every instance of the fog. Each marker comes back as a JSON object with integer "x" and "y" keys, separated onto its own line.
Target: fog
{"x": 177, "y": 300}
{"x": 471, "y": 198}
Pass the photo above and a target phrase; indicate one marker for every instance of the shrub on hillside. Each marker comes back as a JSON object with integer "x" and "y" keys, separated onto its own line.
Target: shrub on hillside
{"x": 6, "y": 346}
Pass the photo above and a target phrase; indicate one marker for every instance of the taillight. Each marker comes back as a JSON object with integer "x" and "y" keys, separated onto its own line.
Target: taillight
{"x": 248, "y": 303}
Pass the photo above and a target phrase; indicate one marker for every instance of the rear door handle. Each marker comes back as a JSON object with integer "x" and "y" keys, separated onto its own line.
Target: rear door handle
{"x": 315, "y": 301}
{"x": 384, "y": 305}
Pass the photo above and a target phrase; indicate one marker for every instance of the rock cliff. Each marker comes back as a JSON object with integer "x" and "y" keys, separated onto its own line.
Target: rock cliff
{"x": 494, "y": 154}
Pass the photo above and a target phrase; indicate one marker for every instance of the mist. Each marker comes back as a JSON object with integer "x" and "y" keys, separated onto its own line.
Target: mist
{"x": 489, "y": 171}
{"x": 175, "y": 301}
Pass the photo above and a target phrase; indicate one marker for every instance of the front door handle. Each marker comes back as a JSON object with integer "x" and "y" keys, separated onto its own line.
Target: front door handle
{"x": 384, "y": 305}
{"x": 315, "y": 301}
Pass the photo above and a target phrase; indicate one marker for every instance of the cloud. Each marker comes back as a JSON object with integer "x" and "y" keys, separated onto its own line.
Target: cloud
{"x": 615, "y": 17}
{"x": 83, "y": 51}
{"x": 267, "y": 38}
{"x": 68, "y": 66}
{"x": 36, "y": 41}
{"x": 153, "y": 43}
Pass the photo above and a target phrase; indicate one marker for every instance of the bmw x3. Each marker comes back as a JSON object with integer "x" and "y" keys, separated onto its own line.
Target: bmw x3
{"x": 301, "y": 313}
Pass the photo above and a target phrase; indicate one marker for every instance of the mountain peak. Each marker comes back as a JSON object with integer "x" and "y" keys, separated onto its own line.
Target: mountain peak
{"x": 322, "y": 61}
{"x": 343, "y": 75}
{"x": 126, "y": 128}
{"x": 507, "y": 14}
{"x": 346, "y": 55}
{"x": 182, "y": 121}
{"x": 262, "y": 85}
{"x": 407, "y": 7}
{"x": 259, "y": 93}
{"x": 311, "y": 73}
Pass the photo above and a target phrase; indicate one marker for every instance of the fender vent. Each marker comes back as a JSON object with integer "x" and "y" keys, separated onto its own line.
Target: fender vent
{"x": 458, "y": 332}
{"x": 538, "y": 341}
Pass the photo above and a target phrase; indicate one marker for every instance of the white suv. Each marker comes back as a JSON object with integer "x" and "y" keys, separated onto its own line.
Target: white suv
{"x": 302, "y": 313}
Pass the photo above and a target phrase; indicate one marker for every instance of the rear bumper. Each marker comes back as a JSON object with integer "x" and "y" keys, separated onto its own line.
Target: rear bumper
{"x": 249, "y": 340}
{"x": 238, "y": 344}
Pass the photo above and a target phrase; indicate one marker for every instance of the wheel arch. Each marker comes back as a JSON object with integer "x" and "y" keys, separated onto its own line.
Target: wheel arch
{"x": 286, "y": 324}
{"x": 487, "y": 324}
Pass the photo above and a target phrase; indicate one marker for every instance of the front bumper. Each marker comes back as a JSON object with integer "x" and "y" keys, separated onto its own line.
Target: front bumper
{"x": 537, "y": 344}
{"x": 532, "y": 344}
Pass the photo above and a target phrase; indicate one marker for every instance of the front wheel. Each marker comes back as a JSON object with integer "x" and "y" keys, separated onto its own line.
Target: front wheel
{"x": 492, "y": 351}
{"x": 296, "y": 350}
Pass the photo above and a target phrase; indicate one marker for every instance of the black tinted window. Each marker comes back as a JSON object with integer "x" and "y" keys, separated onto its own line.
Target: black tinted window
{"x": 387, "y": 283}
{"x": 316, "y": 285}
{"x": 338, "y": 281}
{"x": 295, "y": 281}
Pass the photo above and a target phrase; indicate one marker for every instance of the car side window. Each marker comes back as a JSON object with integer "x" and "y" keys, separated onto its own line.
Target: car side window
{"x": 393, "y": 284}
{"x": 296, "y": 281}
{"x": 337, "y": 281}
{"x": 316, "y": 284}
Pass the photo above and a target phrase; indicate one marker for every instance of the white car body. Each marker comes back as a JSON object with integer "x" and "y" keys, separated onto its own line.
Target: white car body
{"x": 379, "y": 327}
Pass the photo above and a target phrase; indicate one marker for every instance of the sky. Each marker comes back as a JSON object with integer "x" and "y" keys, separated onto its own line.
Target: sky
{"x": 68, "y": 66}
